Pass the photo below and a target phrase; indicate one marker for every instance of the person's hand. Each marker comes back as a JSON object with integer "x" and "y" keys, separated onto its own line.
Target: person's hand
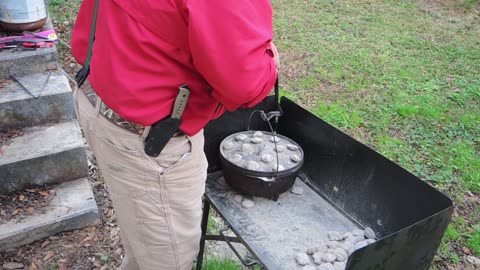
{"x": 276, "y": 55}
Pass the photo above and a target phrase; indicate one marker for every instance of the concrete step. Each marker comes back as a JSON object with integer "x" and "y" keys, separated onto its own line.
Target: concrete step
{"x": 27, "y": 62}
{"x": 73, "y": 207}
{"x": 19, "y": 109}
{"x": 43, "y": 155}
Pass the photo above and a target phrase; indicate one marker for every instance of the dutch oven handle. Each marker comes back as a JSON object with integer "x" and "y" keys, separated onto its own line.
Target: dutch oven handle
{"x": 225, "y": 239}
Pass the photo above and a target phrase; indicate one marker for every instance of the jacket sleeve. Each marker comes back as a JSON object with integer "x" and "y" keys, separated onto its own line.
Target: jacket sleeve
{"x": 230, "y": 46}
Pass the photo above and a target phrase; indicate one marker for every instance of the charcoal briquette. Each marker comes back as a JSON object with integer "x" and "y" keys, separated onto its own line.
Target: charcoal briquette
{"x": 240, "y": 137}
{"x": 292, "y": 147}
{"x": 340, "y": 254}
{"x": 328, "y": 257}
{"x": 302, "y": 259}
{"x": 246, "y": 203}
{"x": 228, "y": 145}
{"x": 339, "y": 265}
{"x": 369, "y": 233}
{"x": 358, "y": 232}
{"x": 326, "y": 266}
{"x": 253, "y": 165}
{"x": 258, "y": 134}
{"x": 238, "y": 198}
{"x": 267, "y": 158}
{"x": 295, "y": 158}
{"x": 317, "y": 257}
{"x": 274, "y": 139}
{"x": 256, "y": 140}
{"x": 247, "y": 148}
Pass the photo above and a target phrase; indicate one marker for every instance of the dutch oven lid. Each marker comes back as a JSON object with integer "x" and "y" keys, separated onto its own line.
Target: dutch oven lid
{"x": 257, "y": 151}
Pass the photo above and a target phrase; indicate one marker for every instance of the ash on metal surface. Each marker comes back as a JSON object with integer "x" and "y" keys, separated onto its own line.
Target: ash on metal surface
{"x": 279, "y": 230}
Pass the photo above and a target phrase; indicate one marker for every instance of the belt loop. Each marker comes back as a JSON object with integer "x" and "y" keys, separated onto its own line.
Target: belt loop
{"x": 145, "y": 133}
{"x": 98, "y": 104}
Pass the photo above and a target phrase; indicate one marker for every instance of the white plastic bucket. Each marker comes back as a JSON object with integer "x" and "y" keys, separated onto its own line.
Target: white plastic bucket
{"x": 22, "y": 11}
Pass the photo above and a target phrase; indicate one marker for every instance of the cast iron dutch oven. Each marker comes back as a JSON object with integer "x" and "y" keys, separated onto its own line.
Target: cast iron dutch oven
{"x": 263, "y": 182}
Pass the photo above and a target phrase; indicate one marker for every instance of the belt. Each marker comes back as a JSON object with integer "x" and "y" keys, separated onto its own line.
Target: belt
{"x": 112, "y": 116}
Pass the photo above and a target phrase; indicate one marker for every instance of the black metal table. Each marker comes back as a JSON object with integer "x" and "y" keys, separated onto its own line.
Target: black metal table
{"x": 273, "y": 231}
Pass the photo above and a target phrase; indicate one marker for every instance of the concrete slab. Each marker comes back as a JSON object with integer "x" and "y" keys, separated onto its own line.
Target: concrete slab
{"x": 73, "y": 207}
{"x": 43, "y": 155}
{"x": 19, "y": 109}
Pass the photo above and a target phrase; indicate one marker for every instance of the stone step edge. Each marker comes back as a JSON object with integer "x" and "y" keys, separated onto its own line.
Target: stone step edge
{"x": 18, "y": 148}
{"x": 57, "y": 84}
{"x": 73, "y": 207}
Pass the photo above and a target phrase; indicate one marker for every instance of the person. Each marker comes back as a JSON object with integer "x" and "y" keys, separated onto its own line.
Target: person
{"x": 142, "y": 52}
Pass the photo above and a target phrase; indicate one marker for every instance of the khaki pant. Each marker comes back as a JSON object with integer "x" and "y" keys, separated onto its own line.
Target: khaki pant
{"x": 157, "y": 200}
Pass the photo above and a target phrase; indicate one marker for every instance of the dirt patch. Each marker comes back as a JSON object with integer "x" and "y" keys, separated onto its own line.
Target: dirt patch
{"x": 456, "y": 8}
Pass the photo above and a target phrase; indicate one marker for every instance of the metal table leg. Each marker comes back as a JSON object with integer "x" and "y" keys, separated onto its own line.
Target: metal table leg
{"x": 206, "y": 211}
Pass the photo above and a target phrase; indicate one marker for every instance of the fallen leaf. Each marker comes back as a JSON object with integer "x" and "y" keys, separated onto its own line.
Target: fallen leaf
{"x": 90, "y": 229}
{"x": 86, "y": 239}
{"x": 37, "y": 262}
{"x": 12, "y": 265}
{"x": 30, "y": 210}
{"x": 67, "y": 246}
{"x": 21, "y": 198}
{"x": 31, "y": 190}
{"x": 97, "y": 263}
{"x": 43, "y": 193}
{"x": 32, "y": 267}
{"x": 49, "y": 255}
{"x": 62, "y": 266}
{"x": 44, "y": 244}
{"x": 14, "y": 212}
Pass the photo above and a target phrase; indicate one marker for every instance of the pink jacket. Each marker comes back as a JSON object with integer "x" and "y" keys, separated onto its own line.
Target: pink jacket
{"x": 144, "y": 50}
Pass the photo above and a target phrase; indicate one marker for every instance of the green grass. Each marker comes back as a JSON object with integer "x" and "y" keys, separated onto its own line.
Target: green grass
{"x": 63, "y": 10}
{"x": 408, "y": 77}
{"x": 219, "y": 264}
{"x": 474, "y": 240}
{"x": 212, "y": 226}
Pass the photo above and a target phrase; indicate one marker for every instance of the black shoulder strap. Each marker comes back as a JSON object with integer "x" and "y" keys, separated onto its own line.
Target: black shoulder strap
{"x": 277, "y": 97}
{"x": 85, "y": 70}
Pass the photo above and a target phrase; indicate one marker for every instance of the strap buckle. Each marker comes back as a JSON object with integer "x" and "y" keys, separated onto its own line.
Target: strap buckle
{"x": 81, "y": 76}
